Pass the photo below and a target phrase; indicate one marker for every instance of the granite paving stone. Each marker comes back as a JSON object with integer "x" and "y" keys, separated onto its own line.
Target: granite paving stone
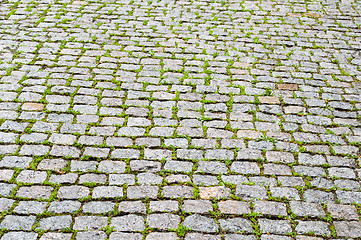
{"x": 98, "y": 235}
{"x": 55, "y": 223}
{"x": 13, "y": 222}
{"x": 128, "y": 223}
{"x": 236, "y": 225}
{"x": 207, "y": 120}
{"x": 201, "y": 223}
{"x": 19, "y": 235}
{"x": 90, "y": 222}
{"x": 55, "y": 235}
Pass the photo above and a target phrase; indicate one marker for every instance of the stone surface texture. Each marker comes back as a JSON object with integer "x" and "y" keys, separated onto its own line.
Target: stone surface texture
{"x": 180, "y": 119}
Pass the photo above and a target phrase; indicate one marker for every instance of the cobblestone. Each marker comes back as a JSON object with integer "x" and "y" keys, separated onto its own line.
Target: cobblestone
{"x": 55, "y": 223}
{"x": 12, "y": 222}
{"x": 236, "y": 225}
{"x": 128, "y": 223}
{"x": 200, "y": 223}
{"x": 163, "y": 221}
{"x": 30, "y": 207}
{"x": 275, "y": 226}
{"x": 180, "y": 120}
{"x": 270, "y": 208}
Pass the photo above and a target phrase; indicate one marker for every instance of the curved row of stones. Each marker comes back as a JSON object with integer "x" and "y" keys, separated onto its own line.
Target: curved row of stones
{"x": 186, "y": 120}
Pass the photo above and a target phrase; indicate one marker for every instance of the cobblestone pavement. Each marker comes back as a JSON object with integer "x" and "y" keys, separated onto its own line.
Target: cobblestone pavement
{"x": 185, "y": 119}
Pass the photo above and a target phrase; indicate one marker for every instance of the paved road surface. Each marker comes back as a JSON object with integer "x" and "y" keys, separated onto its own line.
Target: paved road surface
{"x": 195, "y": 120}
